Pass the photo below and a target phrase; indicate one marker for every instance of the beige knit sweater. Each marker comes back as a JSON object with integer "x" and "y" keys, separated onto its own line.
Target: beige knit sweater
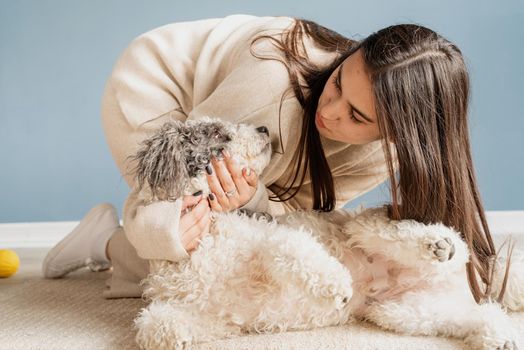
{"x": 186, "y": 70}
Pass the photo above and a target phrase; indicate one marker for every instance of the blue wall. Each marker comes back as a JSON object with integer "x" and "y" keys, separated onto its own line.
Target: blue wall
{"x": 56, "y": 55}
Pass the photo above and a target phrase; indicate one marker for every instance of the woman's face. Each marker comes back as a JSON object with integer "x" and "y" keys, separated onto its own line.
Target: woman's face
{"x": 346, "y": 108}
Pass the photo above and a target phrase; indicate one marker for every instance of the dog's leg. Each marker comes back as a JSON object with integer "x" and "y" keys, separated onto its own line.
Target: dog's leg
{"x": 412, "y": 244}
{"x": 166, "y": 326}
{"x": 450, "y": 314}
{"x": 295, "y": 256}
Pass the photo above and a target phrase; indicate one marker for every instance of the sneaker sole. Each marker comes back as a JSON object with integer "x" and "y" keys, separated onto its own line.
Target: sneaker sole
{"x": 48, "y": 271}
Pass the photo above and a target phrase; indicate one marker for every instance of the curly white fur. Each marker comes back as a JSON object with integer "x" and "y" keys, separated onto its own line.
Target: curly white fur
{"x": 307, "y": 269}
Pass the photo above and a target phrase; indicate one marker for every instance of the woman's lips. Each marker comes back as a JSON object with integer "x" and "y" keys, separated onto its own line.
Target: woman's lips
{"x": 319, "y": 121}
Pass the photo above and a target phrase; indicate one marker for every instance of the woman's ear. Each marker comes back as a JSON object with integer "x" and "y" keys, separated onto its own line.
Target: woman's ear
{"x": 161, "y": 163}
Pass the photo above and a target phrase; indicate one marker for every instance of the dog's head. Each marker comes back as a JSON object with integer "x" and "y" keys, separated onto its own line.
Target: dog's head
{"x": 172, "y": 161}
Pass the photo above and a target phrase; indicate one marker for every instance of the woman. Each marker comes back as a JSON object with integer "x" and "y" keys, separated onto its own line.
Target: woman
{"x": 359, "y": 111}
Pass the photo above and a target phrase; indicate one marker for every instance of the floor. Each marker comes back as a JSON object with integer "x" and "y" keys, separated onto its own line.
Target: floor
{"x": 67, "y": 313}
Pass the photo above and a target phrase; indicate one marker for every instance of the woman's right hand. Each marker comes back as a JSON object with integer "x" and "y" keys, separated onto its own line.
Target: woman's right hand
{"x": 194, "y": 222}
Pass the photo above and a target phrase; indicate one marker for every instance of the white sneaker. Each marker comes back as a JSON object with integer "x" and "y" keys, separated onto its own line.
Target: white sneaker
{"x": 85, "y": 245}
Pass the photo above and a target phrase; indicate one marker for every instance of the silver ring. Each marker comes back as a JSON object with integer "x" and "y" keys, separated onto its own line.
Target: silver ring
{"x": 232, "y": 192}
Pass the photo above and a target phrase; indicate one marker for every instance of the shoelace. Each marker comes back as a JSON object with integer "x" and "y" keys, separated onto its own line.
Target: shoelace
{"x": 96, "y": 265}
{"x": 93, "y": 265}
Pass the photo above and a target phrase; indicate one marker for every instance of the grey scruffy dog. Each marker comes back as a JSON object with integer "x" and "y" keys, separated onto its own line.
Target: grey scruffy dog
{"x": 171, "y": 163}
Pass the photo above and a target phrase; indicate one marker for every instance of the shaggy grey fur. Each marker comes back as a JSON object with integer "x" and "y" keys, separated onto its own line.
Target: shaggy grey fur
{"x": 175, "y": 153}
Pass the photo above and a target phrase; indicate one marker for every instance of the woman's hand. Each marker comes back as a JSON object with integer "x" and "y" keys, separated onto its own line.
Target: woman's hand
{"x": 230, "y": 186}
{"x": 194, "y": 221}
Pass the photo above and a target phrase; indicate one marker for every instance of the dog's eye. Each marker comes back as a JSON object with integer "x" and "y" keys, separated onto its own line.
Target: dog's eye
{"x": 214, "y": 133}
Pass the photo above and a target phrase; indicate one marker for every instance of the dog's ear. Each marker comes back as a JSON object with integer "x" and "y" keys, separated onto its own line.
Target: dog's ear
{"x": 160, "y": 162}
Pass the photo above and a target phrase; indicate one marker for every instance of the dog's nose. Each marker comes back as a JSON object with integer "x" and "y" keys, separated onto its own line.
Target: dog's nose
{"x": 263, "y": 129}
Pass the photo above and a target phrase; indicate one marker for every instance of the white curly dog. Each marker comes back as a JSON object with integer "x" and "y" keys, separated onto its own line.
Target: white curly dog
{"x": 256, "y": 274}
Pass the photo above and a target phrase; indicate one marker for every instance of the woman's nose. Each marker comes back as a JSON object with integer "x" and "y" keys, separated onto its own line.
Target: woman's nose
{"x": 329, "y": 111}
{"x": 328, "y": 115}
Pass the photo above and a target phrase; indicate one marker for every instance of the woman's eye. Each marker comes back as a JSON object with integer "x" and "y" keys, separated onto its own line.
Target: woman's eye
{"x": 337, "y": 86}
{"x": 335, "y": 82}
{"x": 355, "y": 119}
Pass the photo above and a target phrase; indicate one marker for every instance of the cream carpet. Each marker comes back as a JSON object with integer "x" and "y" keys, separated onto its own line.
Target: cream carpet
{"x": 71, "y": 313}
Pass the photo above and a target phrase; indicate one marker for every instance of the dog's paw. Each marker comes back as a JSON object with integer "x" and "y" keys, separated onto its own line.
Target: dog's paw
{"x": 493, "y": 343}
{"x": 480, "y": 342}
{"x": 441, "y": 249}
{"x": 162, "y": 326}
{"x": 339, "y": 293}
{"x": 508, "y": 345}
{"x": 335, "y": 291}
{"x": 493, "y": 330}
{"x": 342, "y": 300}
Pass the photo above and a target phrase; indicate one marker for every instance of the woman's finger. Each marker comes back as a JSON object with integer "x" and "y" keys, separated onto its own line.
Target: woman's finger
{"x": 189, "y": 201}
{"x": 213, "y": 203}
{"x": 196, "y": 241}
{"x": 216, "y": 187}
{"x": 232, "y": 167}
{"x": 196, "y": 230}
{"x": 223, "y": 174}
{"x": 244, "y": 192}
{"x": 245, "y": 189}
{"x": 250, "y": 177}
{"x": 191, "y": 218}
{"x": 212, "y": 179}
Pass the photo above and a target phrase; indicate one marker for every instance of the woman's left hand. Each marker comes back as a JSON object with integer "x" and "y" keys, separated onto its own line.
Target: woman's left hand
{"x": 230, "y": 186}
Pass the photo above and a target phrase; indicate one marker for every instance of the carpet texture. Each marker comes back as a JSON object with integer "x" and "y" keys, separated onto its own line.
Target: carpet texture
{"x": 71, "y": 313}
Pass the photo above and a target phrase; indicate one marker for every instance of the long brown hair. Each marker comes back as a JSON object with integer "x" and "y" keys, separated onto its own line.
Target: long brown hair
{"x": 421, "y": 90}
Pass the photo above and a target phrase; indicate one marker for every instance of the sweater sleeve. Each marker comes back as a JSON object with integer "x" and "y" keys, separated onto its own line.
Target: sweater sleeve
{"x": 152, "y": 228}
{"x": 259, "y": 201}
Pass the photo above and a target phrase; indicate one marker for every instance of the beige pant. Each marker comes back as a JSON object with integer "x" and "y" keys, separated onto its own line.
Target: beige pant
{"x": 128, "y": 268}
{"x": 123, "y": 139}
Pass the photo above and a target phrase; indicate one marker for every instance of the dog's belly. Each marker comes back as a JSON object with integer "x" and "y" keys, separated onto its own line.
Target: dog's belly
{"x": 375, "y": 279}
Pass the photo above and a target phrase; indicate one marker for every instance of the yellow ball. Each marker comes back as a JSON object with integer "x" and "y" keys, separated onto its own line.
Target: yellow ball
{"x": 9, "y": 262}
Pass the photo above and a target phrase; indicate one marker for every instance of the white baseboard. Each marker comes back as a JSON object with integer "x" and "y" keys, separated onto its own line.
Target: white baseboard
{"x": 47, "y": 234}
{"x": 507, "y": 223}
{"x": 34, "y": 234}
